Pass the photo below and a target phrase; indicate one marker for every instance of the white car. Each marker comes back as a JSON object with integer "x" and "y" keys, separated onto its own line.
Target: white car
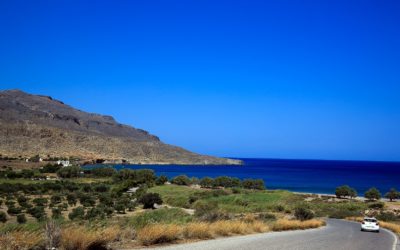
{"x": 370, "y": 224}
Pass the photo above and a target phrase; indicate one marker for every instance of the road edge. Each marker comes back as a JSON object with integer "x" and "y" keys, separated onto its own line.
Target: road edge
{"x": 396, "y": 242}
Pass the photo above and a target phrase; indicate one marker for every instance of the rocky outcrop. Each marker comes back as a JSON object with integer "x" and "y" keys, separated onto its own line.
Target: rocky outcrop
{"x": 35, "y": 124}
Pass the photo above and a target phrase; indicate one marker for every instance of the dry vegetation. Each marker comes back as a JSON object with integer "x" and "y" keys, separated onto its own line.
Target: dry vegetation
{"x": 285, "y": 224}
{"x": 156, "y": 234}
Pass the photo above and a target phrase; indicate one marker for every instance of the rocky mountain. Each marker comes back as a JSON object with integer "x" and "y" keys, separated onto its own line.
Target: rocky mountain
{"x": 35, "y": 124}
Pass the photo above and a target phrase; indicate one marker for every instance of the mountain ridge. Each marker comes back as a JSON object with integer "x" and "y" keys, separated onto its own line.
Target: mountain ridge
{"x": 39, "y": 124}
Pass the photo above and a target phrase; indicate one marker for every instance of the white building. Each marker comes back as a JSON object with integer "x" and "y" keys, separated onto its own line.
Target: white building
{"x": 64, "y": 163}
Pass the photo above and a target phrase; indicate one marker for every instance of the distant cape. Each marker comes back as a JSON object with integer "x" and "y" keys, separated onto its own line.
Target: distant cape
{"x": 40, "y": 125}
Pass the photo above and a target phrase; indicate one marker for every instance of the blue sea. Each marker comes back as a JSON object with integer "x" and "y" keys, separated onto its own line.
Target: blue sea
{"x": 314, "y": 176}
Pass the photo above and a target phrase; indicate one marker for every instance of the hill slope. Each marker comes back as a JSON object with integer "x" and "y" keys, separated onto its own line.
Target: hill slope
{"x": 34, "y": 124}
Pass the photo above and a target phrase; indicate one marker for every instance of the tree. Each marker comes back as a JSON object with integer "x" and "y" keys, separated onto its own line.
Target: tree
{"x": 14, "y": 210}
{"x": 393, "y": 194}
{"x": 56, "y": 199}
{"x": 56, "y": 213}
{"x": 3, "y": 217}
{"x": 372, "y": 194}
{"x": 40, "y": 201}
{"x": 120, "y": 207}
{"x": 345, "y": 191}
{"x": 253, "y": 184}
{"x": 69, "y": 172}
{"x": 21, "y": 218}
{"x": 223, "y": 181}
{"x": 37, "y": 212}
{"x": 206, "y": 182}
{"x": 161, "y": 180}
{"x": 302, "y": 213}
{"x": 148, "y": 200}
{"x": 77, "y": 213}
{"x": 72, "y": 199}
{"x": 103, "y": 172}
{"x": 181, "y": 180}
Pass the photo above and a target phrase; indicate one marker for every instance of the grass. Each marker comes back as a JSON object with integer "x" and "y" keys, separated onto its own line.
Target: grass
{"x": 21, "y": 240}
{"x": 338, "y": 210}
{"x": 177, "y": 196}
{"x": 244, "y": 202}
{"x": 285, "y": 224}
{"x": 163, "y": 216}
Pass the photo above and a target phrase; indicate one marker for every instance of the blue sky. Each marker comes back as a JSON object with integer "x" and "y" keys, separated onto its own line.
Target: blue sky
{"x": 275, "y": 79}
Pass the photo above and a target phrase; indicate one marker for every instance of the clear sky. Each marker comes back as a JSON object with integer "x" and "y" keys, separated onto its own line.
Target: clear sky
{"x": 275, "y": 79}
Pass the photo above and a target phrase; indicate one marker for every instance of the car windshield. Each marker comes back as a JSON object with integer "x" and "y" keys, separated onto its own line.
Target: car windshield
{"x": 370, "y": 220}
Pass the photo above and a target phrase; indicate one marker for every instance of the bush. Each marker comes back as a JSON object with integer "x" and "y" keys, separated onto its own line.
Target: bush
{"x": 103, "y": 172}
{"x": 372, "y": 194}
{"x": 225, "y": 181}
{"x": 3, "y": 217}
{"x": 72, "y": 199}
{"x": 56, "y": 199}
{"x": 387, "y": 216}
{"x": 37, "y": 212}
{"x": 40, "y": 201}
{"x": 161, "y": 180}
{"x": 253, "y": 184}
{"x": 56, "y": 213}
{"x": 303, "y": 213}
{"x": 204, "y": 207}
{"x": 69, "y": 172}
{"x": 148, "y": 200}
{"x": 266, "y": 217}
{"x": 181, "y": 180}
{"x": 206, "y": 182}
{"x": 77, "y": 213}
{"x": 13, "y": 210}
{"x": 377, "y": 205}
{"x": 21, "y": 218}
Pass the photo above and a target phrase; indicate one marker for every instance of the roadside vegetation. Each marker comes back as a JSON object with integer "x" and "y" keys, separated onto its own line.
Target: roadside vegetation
{"x": 99, "y": 208}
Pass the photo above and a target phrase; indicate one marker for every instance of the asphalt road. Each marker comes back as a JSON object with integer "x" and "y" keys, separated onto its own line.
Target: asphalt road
{"x": 337, "y": 235}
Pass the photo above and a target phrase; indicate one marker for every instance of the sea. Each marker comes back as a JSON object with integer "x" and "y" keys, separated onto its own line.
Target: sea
{"x": 309, "y": 176}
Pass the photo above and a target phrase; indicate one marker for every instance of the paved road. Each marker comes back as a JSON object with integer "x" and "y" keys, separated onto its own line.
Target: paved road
{"x": 337, "y": 235}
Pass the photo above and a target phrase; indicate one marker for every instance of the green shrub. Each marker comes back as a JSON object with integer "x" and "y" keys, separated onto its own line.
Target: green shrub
{"x": 21, "y": 218}
{"x": 161, "y": 180}
{"x": 3, "y": 217}
{"x": 182, "y": 180}
{"x": 37, "y": 212}
{"x": 77, "y": 213}
{"x": 253, "y": 184}
{"x": 148, "y": 200}
{"x": 387, "y": 216}
{"x": 56, "y": 199}
{"x": 72, "y": 199}
{"x": 377, "y": 205}
{"x": 14, "y": 210}
{"x": 206, "y": 182}
{"x": 70, "y": 172}
{"x": 56, "y": 213}
{"x": 302, "y": 213}
{"x": 204, "y": 207}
